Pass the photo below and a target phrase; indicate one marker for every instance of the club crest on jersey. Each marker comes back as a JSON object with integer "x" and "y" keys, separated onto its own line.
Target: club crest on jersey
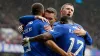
{"x": 75, "y": 27}
{"x": 29, "y": 23}
{"x": 71, "y": 30}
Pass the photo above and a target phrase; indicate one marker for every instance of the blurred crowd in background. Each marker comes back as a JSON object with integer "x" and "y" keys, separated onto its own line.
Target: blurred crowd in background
{"x": 87, "y": 14}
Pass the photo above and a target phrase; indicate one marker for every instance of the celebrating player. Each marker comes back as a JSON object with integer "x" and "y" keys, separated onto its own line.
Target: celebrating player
{"x": 68, "y": 35}
{"x": 36, "y": 27}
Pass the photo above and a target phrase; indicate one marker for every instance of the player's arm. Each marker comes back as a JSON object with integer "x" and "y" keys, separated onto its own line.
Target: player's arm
{"x": 39, "y": 38}
{"x": 56, "y": 48}
{"x": 25, "y": 19}
{"x": 42, "y": 18}
{"x": 85, "y": 34}
{"x": 46, "y": 37}
{"x": 52, "y": 34}
{"x": 52, "y": 44}
{"x": 88, "y": 39}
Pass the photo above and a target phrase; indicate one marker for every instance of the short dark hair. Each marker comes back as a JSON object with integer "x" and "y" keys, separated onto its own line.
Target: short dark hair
{"x": 37, "y": 8}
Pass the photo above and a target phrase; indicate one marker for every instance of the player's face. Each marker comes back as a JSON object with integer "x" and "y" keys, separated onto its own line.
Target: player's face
{"x": 50, "y": 17}
{"x": 68, "y": 10}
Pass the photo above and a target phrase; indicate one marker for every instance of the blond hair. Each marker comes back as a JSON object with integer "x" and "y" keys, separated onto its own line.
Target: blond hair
{"x": 66, "y": 4}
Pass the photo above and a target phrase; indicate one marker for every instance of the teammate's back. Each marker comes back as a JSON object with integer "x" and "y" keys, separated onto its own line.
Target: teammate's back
{"x": 34, "y": 28}
{"x": 67, "y": 40}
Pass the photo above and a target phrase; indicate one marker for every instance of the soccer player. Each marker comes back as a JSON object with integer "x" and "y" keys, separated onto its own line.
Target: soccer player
{"x": 68, "y": 35}
{"x": 49, "y": 14}
{"x": 34, "y": 28}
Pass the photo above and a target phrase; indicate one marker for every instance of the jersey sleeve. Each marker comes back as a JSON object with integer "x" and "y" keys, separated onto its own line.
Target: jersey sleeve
{"x": 57, "y": 32}
{"x": 25, "y": 19}
{"x": 88, "y": 39}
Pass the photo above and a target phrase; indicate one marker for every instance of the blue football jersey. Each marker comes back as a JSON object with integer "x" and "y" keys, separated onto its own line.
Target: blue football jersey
{"x": 87, "y": 37}
{"x": 66, "y": 39}
{"x": 34, "y": 28}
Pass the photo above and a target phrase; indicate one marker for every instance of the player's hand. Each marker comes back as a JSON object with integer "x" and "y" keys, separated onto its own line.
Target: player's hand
{"x": 69, "y": 54}
{"x": 25, "y": 41}
{"x": 20, "y": 28}
{"x": 42, "y": 18}
{"x": 47, "y": 28}
{"x": 80, "y": 32}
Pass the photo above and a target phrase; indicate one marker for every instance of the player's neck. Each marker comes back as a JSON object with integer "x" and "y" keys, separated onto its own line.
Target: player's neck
{"x": 39, "y": 14}
{"x": 70, "y": 21}
{"x": 66, "y": 20}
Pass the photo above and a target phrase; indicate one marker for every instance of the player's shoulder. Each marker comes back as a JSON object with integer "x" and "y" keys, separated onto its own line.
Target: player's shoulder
{"x": 56, "y": 23}
{"x": 26, "y": 18}
{"x": 40, "y": 22}
{"x": 77, "y": 24}
{"x": 60, "y": 26}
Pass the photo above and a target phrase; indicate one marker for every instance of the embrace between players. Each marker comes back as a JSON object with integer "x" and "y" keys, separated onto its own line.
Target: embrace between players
{"x": 43, "y": 36}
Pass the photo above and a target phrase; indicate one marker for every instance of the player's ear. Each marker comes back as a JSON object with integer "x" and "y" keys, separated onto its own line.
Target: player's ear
{"x": 61, "y": 12}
